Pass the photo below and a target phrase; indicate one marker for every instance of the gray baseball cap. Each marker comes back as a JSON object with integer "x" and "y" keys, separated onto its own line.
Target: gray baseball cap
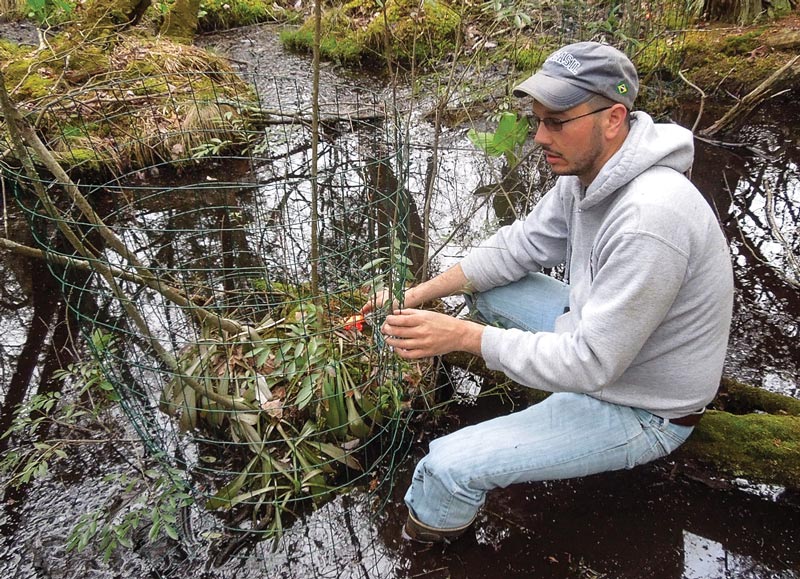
{"x": 575, "y": 73}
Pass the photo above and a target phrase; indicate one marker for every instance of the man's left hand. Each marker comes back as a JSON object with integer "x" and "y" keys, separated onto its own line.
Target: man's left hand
{"x": 421, "y": 333}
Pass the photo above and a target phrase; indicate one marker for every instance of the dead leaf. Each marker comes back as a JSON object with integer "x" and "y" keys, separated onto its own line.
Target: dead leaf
{"x": 274, "y": 408}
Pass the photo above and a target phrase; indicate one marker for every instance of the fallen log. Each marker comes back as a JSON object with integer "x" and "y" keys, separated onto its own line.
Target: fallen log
{"x": 758, "y": 447}
{"x": 781, "y": 79}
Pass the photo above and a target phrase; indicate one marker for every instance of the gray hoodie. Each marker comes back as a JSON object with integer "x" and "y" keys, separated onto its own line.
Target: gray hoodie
{"x": 651, "y": 286}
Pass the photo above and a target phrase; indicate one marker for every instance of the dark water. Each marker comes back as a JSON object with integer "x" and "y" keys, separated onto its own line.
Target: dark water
{"x": 654, "y": 521}
{"x": 738, "y": 181}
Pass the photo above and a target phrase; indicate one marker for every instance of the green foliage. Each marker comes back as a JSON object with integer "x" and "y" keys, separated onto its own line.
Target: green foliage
{"x": 49, "y": 11}
{"x": 309, "y": 391}
{"x": 511, "y": 12}
{"x": 507, "y": 140}
{"x": 213, "y": 147}
{"x": 153, "y": 499}
{"x": 163, "y": 6}
{"x": 31, "y": 460}
{"x": 88, "y": 374}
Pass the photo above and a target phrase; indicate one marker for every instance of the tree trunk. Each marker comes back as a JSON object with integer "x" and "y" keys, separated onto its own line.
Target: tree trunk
{"x": 745, "y": 11}
{"x": 103, "y": 16}
{"x": 180, "y": 21}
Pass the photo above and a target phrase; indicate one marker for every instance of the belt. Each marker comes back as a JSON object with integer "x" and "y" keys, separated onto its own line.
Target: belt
{"x": 688, "y": 420}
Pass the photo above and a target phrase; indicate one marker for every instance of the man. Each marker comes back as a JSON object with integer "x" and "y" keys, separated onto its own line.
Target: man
{"x": 632, "y": 346}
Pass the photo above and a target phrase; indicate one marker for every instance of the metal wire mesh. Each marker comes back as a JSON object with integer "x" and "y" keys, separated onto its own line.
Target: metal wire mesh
{"x": 278, "y": 398}
{"x": 211, "y": 182}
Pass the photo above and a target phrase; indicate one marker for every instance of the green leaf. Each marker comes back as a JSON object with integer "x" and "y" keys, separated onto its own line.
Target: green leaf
{"x": 125, "y": 540}
{"x": 373, "y": 263}
{"x": 483, "y": 141}
{"x": 154, "y": 530}
{"x": 171, "y": 532}
{"x": 337, "y": 454}
{"x": 512, "y": 131}
{"x": 306, "y": 392}
{"x": 223, "y": 496}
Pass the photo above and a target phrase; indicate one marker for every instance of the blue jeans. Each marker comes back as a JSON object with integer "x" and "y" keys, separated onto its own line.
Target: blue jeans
{"x": 567, "y": 435}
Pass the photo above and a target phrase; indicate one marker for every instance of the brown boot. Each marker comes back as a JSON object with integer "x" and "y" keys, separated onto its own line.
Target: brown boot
{"x": 416, "y": 530}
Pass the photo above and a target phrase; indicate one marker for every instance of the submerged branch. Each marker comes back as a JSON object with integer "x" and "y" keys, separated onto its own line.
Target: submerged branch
{"x": 81, "y": 264}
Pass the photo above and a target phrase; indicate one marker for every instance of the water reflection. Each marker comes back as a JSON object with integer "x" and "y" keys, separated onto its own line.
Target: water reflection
{"x": 755, "y": 189}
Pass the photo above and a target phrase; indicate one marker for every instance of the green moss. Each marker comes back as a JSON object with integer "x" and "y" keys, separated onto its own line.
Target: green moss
{"x": 10, "y": 51}
{"x": 29, "y": 86}
{"x": 739, "y": 44}
{"x": 415, "y": 30}
{"x": 530, "y": 57}
{"x": 343, "y": 50}
{"x": 224, "y": 14}
{"x": 739, "y": 398}
{"x": 707, "y": 64}
{"x": 361, "y": 31}
{"x": 87, "y": 159}
{"x": 759, "y": 447}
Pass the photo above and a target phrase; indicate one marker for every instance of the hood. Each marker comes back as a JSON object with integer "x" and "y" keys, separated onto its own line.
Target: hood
{"x": 647, "y": 145}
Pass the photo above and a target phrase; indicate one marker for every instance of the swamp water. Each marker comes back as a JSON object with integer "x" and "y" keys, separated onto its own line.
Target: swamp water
{"x": 637, "y": 524}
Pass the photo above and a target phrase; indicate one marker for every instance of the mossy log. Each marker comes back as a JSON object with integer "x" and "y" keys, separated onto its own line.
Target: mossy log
{"x": 180, "y": 22}
{"x": 748, "y": 432}
{"x": 112, "y": 15}
{"x": 758, "y": 447}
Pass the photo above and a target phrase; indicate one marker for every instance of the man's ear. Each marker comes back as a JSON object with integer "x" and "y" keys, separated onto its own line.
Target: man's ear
{"x": 617, "y": 120}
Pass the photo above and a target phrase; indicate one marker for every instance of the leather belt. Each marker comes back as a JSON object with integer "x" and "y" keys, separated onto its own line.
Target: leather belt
{"x": 688, "y": 420}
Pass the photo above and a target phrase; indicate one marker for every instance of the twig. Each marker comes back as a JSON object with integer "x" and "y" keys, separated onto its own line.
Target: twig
{"x": 702, "y": 99}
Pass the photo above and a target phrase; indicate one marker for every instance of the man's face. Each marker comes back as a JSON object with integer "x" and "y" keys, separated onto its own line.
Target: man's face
{"x": 579, "y": 147}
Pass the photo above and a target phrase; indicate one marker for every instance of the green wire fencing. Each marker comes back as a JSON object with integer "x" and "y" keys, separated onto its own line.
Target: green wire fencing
{"x": 218, "y": 261}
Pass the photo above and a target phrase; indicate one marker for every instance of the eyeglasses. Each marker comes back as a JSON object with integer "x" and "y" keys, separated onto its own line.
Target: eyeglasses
{"x": 555, "y": 125}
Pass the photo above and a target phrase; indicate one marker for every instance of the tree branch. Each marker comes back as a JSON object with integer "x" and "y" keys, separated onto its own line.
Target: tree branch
{"x": 762, "y": 92}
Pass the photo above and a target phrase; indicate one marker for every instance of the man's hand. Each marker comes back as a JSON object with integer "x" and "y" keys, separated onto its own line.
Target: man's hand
{"x": 422, "y": 333}
{"x": 445, "y": 284}
{"x": 376, "y": 302}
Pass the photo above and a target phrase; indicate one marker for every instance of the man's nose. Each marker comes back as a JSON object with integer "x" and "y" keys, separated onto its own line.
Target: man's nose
{"x": 542, "y": 135}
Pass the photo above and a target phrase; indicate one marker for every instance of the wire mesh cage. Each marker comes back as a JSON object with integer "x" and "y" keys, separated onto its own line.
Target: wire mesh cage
{"x": 228, "y": 258}
{"x": 217, "y": 236}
